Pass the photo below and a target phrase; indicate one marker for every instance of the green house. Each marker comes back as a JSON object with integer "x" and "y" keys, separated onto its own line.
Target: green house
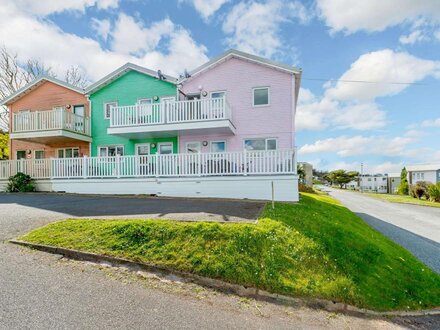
{"x": 139, "y": 94}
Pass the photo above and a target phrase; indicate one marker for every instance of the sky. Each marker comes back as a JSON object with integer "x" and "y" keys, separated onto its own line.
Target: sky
{"x": 370, "y": 91}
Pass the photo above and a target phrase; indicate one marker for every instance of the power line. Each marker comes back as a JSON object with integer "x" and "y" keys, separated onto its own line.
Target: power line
{"x": 365, "y": 81}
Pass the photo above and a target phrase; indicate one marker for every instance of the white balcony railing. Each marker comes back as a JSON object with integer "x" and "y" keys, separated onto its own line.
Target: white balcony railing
{"x": 32, "y": 121}
{"x": 170, "y": 112}
{"x": 274, "y": 162}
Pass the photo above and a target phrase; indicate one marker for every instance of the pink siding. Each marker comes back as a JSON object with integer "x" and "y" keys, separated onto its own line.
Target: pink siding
{"x": 237, "y": 78}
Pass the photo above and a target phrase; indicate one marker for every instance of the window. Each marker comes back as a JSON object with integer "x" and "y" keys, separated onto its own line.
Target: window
{"x": 145, "y": 101}
{"x": 143, "y": 149}
{"x": 107, "y": 107}
{"x": 78, "y": 110}
{"x": 260, "y": 144}
{"x": 39, "y": 154}
{"x": 422, "y": 176}
{"x": 111, "y": 151}
{"x": 218, "y": 146}
{"x": 193, "y": 147}
{"x": 260, "y": 96}
{"x": 21, "y": 154}
{"x": 165, "y": 148}
{"x": 68, "y": 153}
{"x": 216, "y": 95}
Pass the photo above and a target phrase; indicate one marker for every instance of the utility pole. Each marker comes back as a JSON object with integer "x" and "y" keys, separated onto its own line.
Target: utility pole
{"x": 360, "y": 179}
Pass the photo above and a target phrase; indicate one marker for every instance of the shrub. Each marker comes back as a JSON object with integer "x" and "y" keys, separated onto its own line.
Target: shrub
{"x": 303, "y": 188}
{"x": 434, "y": 192}
{"x": 420, "y": 189}
{"x": 20, "y": 182}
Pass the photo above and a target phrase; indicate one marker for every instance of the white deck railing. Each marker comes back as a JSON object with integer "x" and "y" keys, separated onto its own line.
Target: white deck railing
{"x": 170, "y": 112}
{"x": 173, "y": 165}
{"x": 31, "y": 121}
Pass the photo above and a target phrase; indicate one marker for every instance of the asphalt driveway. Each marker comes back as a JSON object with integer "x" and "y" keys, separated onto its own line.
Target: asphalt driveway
{"x": 417, "y": 228}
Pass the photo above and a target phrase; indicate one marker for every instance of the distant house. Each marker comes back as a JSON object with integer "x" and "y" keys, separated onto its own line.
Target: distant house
{"x": 353, "y": 185}
{"x": 393, "y": 182}
{"x": 308, "y": 173}
{"x": 423, "y": 172}
{"x": 377, "y": 183}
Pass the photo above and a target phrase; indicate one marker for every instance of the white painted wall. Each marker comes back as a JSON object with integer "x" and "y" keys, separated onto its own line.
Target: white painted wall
{"x": 429, "y": 176}
{"x": 374, "y": 183}
{"x": 255, "y": 187}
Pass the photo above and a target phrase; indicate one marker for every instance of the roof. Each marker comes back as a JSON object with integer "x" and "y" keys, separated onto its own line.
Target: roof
{"x": 36, "y": 83}
{"x": 233, "y": 53}
{"x": 394, "y": 175}
{"x": 120, "y": 72}
{"x": 423, "y": 167}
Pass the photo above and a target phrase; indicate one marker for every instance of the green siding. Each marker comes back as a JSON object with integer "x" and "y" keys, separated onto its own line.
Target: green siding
{"x": 126, "y": 90}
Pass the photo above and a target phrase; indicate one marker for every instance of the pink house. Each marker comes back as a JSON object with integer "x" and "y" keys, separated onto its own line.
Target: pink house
{"x": 261, "y": 96}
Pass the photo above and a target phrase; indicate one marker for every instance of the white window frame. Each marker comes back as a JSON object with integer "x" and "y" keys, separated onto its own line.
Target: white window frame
{"x": 16, "y": 154}
{"x": 64, "y": 151}
{"x": 35, "y": 153}
{"x": 105, "y": 108}
{"x": 220, "y": 91}
{"x": 217, "y": 141}
{"x": 195, "y": 142}
{"x": 141, "y": 144}
{"x": 265, "y": 143}
{"x": 163, "y": 143}
{"x": 144, "y": 99}
{"x": 109, "y": 146}
{"x": 253, "y": 97}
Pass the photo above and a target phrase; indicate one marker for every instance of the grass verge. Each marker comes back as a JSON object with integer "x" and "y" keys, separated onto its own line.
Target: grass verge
{"x": 316, "y": 248}
{"x": 404, "y": 199}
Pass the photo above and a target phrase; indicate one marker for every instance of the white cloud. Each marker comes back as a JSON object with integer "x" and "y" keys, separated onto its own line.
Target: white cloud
{"x": 131, "y": 37}
{"x": 345, "y": 146}
{"x": 206, "y": 8}
{"x": 382, "y": 66}
{"x": 431, "y": 123}
{"x": 46, "y": 7}
{"x": 255, "y": 27}
{"x": 32, "y": 37}
{"x": 315, "y": 113}
{"x": 375, "y": 15}
{"x": 437, "y": 34}
{"x": 101, "y": 27}
{"x": 413, "y": 37}
{"x": 350, "y": 103}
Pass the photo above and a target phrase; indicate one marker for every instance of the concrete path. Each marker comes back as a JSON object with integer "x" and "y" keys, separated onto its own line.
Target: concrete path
{"x": 417, "y": 228}
{"x": 43, "y": 291}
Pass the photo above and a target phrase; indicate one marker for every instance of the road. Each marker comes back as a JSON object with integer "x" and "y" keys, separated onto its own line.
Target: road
{"x": 417, "y": 228}
{"x": 45, "y": 291}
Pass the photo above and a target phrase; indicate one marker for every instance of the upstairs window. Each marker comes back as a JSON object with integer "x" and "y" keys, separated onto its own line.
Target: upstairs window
{"x": 260, "y": 96}
{"x": 107, "y": 107}
{"x": 218, "y": 146}
{"x": 217, "y": 94}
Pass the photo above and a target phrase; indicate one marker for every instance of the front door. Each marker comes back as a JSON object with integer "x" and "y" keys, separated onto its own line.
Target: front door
{"x": 143, "y": 150}
{"x": 78, "y": 110}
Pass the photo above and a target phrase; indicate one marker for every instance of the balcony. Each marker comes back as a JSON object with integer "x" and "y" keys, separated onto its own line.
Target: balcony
{"x": 50, "y": 126}
{"x": 206, "y": 116}
{"x": 222, "y": 164}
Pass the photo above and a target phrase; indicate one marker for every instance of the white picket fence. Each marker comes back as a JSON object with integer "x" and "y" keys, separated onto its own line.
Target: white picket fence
{"x": 170, "y": 112}
{"x": 244, "y": 163}
{"x": 31, "y": 121}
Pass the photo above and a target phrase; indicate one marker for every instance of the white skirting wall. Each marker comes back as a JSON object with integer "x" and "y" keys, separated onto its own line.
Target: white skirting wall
{"x": 285, "y": 187}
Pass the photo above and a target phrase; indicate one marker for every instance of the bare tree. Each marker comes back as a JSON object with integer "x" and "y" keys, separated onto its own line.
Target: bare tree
{"x": 15, "y": 74}
{"x": 75, "y": 77}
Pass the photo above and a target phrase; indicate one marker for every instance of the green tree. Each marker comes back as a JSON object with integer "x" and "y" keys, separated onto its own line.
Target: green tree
{"x": 342, "y": 177}
{"x": 403, "y": 188}
{"x": 4, "y": 146}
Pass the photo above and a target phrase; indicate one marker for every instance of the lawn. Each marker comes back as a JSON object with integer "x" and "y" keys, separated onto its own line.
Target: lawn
{"x": 315, "y": 248}
{"x": 403, "y": 199}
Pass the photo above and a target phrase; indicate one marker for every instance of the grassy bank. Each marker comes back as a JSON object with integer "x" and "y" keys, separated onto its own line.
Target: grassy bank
{"x": 404, "y": 199}
{"x": 315, "y": 248}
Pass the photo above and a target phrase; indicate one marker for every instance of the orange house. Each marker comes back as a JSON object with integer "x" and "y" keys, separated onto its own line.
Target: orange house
{"x": 48, "y": 118}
